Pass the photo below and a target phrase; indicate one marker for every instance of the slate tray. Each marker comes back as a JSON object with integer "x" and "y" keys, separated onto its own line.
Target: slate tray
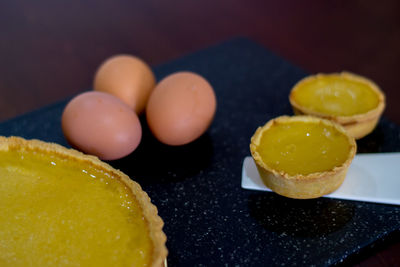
{"x": 209, "y": 219}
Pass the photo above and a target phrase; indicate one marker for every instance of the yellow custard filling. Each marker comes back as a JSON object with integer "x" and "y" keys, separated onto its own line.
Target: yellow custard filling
{"x": 298, "y": 147}
{"x": 53, "y": 212}
{"x": 336, "y": 95}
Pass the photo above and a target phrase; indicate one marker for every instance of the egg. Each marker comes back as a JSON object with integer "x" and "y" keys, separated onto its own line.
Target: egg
{"x": 100, "y": 124}
{"x": 127, "y": 77}
{"x": 181, "y": 108}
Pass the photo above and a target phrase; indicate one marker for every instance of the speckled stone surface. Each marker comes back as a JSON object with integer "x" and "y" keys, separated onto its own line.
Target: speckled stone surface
{"x": 209, "y": 219}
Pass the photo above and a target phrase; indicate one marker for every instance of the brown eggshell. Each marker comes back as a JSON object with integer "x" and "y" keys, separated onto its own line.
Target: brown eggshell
{"x": 181, "y": 108}
{"x": 100, "y": 124}
{"x": 128, "y": 78}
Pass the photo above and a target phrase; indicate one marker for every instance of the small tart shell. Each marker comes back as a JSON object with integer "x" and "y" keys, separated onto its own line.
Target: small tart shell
{"x": 358, "y": 125}
{"x": 300, "y": 186}
{"x": 150, "y": 212}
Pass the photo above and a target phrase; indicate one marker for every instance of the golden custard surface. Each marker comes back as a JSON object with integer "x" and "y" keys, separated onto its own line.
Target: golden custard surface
{"x": 335, "y": 95}
{"x": 55, "y": 213}
{"x": 303, "y": 148}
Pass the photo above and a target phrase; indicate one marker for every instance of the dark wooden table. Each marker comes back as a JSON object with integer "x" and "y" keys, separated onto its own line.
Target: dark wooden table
{"x": 49, "y": 50}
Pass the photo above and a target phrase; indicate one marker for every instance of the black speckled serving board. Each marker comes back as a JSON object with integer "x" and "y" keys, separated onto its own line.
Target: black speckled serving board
{"x": 209, "y": 219}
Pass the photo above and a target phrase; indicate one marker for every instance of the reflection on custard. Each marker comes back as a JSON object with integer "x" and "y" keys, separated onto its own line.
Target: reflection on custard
{"x": 54, "y": 212}
{"x": 303, "y": 147}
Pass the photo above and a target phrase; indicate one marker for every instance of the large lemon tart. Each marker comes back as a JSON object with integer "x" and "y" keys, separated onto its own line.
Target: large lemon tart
{"x": 59, "y": 207}
{"x": 302, "y": 156}
{"x": 349, "y": 99}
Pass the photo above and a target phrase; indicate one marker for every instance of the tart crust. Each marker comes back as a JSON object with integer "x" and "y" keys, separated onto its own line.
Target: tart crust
{"x": 301, "y": 186}
{"x": 358, "y": 125}
{"x": 150, "y": 212}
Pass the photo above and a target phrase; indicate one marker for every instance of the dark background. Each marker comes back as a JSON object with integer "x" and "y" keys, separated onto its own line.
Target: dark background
{"x": 49, "y": 50}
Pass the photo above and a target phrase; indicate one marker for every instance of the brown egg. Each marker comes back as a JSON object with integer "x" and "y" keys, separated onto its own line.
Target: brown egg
{"x": 100, "y": 124}
{"x": 181, "y": 108}
{"x": 128, "y": 78}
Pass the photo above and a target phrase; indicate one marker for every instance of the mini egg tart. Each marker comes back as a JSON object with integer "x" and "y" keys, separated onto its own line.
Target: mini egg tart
{"x": 302, "y": 156}
{"x": 351, "y": 100}
{"x": 60, "y": 207}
